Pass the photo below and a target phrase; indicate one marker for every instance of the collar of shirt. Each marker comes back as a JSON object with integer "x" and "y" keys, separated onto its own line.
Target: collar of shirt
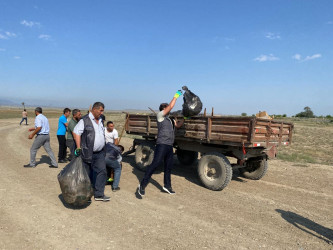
{"x": 94, "y": 119}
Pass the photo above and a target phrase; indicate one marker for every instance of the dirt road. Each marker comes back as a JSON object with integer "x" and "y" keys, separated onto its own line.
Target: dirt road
{"x": 290, "y": 208}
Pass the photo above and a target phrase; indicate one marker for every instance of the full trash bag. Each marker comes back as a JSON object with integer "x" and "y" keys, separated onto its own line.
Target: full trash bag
{"x": 192, "y": 104}
{"x": 75, "y": 183}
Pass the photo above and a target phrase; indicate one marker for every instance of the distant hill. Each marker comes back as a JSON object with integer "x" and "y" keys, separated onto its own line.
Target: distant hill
{"x": 4, "y": 102}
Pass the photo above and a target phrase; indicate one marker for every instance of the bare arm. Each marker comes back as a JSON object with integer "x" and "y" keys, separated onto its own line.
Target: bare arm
{"x": 170, "y": 106}
{"x": 116, "y": 141}
{"x": 36, "y": 130}
{"x": 77, "y": 139}
{"x": 178, "y": 123}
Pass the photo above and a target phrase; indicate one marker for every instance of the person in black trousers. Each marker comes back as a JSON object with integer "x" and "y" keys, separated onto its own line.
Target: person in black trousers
{"x": 164, "y": 146}
{"x": 61, "y": 135}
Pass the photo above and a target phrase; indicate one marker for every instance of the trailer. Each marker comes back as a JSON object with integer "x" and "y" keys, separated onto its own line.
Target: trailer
{"x": 250, "y": 140}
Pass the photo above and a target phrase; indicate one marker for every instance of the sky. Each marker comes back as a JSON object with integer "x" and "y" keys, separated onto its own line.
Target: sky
{"x": 238, "y": 56}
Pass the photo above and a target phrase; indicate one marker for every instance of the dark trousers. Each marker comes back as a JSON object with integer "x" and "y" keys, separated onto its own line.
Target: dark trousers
{"x": 97, "y": 172}
{"x": 26, "y": 120}
{"x": 62, "y": 147}
{"x": 72, "y": 146}
{"x": 162, "y": 153}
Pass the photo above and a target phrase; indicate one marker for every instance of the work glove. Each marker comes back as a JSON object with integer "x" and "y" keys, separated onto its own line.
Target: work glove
{"x": 77, "y": 152}
{"x": 186, "y": 118}
{"x": 178, "y": 94}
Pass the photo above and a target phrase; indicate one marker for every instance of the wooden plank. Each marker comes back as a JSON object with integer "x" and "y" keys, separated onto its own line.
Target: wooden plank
{"x": 148, "y": 125}
{"x": 230, "y": 129}
{"x": 209, "y": 128}
{"x": 138, "y": 123}
{"x": 138, "y": 129}
{"x": 229, "y": 137}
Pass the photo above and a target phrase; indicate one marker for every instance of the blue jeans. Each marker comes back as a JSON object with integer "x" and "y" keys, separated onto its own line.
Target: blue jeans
{"x": 115, "y": 165}
{"x": 97, "y": 172}
{"x": 162, "y": 153}
{"x": 26, "y": 120}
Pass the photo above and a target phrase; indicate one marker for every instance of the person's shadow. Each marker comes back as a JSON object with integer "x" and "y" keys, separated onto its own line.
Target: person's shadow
{"x": 44, "y": 159}
{"x": 308, "y": 226}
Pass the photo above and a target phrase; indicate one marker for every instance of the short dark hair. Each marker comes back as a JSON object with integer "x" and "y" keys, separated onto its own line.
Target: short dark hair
{"x": 97, "y": 105}
{"x": 109, "y": 122}
{"x": 75, "y": 111}
{"x": 24, "y": 109}
{"x": 39, "y": 110}
{"x": 163, "y": 106}
{"x": 121, "y": 148}
{"x": 66, "y": 110}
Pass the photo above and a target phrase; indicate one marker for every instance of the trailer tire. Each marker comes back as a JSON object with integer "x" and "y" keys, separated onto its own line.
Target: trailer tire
{"x": 214, "y": 171}
{"x": 144, "y": 155}
{"x": 255, "y": 169}
{"x": 186, "y": 157}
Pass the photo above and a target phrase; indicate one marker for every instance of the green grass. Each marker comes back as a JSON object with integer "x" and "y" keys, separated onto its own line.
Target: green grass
{"x": 312, "y": 142}
{"x": 296, "y": 157}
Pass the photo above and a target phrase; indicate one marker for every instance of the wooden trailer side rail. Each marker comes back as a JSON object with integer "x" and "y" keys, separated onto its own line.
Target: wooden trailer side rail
{"x": 247, "y": 131}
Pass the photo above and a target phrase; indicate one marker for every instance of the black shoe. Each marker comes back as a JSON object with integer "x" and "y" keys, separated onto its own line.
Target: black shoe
{"x": 115, "y": 189}
{"x": 141, "y": 191}
{"x": 102, "y": 198}
{"x": 52, "y": 166}
{"x": 61, "y": 161}
{"x": 169, "y": 190}
{"x": 29, "y": 166}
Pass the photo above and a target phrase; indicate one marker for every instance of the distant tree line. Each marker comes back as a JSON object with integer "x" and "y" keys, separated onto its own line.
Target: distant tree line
{"x": 307, "y": 113}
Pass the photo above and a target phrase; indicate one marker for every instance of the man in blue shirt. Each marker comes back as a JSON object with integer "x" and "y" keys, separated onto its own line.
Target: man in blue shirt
{"x": 61, "y": 135}
{"x": 42, "y": 130}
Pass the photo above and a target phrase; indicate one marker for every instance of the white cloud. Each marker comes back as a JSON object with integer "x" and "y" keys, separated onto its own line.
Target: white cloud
{"x": 265, "y": 58}
{"x": 10, "y": 34}
{"x": 315, "y": 56}
{"x": 6, "y": 35}
{"x": 1, "y": 49}
{"x": 297, "y": 57}
{"x": 329, "y": 22}
{"x": 17, "y": 57}
{"x": 272, "y": 36}
{"x": 30, "y": 23}
{"x": 44, "y": 37}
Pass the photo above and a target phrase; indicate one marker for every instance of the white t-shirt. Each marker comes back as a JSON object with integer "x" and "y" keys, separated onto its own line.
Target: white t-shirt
{"x": 111, "y": 136}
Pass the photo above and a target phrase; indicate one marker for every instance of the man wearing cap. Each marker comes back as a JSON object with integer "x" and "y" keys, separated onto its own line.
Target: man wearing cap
{"x": 164, "y": 146}
{"x": 41, "y": 130}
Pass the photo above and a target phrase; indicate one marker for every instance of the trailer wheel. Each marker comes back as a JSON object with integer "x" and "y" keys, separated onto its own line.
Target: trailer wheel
{"x": 144, "y": 155}
{"x": 255, "y": 169}
{"x": 214, "y": 171}
{"x": 187, "y": 157}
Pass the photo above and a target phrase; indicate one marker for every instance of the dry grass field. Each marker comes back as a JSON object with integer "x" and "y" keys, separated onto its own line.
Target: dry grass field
{"x": 290, "y": 208}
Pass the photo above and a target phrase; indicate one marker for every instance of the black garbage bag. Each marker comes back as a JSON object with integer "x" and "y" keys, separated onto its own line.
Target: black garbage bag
{"x": 75, "y": 183}
{"x": 192, "y": 104}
